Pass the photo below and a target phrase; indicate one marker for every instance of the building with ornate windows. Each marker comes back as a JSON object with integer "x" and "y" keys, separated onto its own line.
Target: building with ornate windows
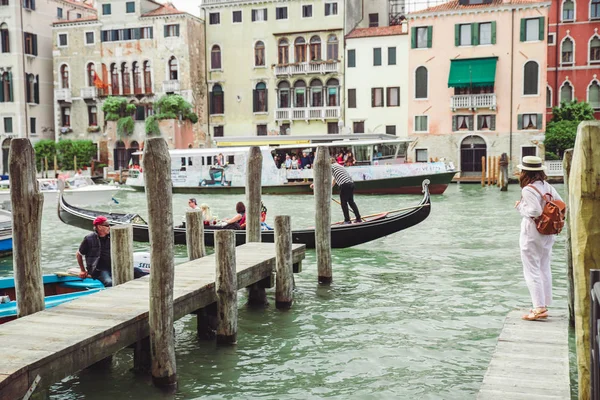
{"x": 140, "y": 50}
{"x": 574, "y": 53}
{"x": 477, "y": 80}
{"x": 26, "y": 101}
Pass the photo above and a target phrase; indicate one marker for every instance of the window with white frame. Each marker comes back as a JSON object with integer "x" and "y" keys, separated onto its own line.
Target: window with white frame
{"x": 422, "y": 37}
{"x": 259, "y": 15}
{"x": 462, "y": 123}
{"x": 567, "y": 52}
{"x": 465, "y": 35}
{"x": 532, "y": 29}
{"x": 594, "y": 95}
{"x": 307, "y": 11}
{"x": 421, "y": 155}
{"x": 259, "y": 54}
{"x": 377, "y": 97}
{"x": 551, "y": 38}
{"x": 172, "y": 30}
{"x": 595, "y": 50}
{"x": 214, "y": 18}
{"x": 530, "y": 78}
{"x": 89, "y": 38}
{"x": 358, "y": 127}
{"x": 529, "y": 121}
{"x": 281, "y": 13}
{"x": 595, "y": 9}
{"x": 486, "y": 122}
{"x": 331, "y": 8}
{"x": 215, "y": 57}
{"x": 393, "y": 96}
{"x": 421, "y": 83}
{"x": 528, "y": 151}
{"x": 62, "y": 40}
{"x": 236, "y": 16}
{"x": 566, "y": 92}
{"x": 548, "y": 97}
{"x": 485, "y": 33}
{"x": 568, "y": 10}
{"x": 421, "y": 123}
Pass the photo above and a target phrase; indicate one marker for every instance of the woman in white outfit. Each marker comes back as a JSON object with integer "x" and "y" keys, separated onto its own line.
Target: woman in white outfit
{"x": 536, "y": 249}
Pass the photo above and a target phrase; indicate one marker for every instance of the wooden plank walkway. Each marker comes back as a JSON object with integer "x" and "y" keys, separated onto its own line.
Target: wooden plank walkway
{"x": 60, "y": 341}
{"x": 531, "y": 360}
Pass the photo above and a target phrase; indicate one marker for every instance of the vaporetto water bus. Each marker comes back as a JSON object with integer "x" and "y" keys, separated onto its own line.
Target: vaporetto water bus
{"x": 381, "y": 167}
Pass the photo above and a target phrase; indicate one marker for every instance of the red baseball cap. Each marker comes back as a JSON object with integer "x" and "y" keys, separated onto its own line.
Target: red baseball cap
{"x": 101, "y": 220}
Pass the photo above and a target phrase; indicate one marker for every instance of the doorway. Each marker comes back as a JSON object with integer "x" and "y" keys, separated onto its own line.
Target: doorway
{"x": 472, "y": 149}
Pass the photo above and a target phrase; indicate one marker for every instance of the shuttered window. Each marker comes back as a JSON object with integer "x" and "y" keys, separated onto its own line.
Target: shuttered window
{"x": 351, "y": 58}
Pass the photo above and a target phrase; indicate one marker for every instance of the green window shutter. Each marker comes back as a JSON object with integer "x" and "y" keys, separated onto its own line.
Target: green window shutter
{"x": 10, "y": 87}
{"x": 523, "y": 21}
{"x": 475, "y": 34}
{"x": 27, "y": 89}
{"x": 1, "y": 89}
{"x": 456, "y": 35}
{"x": 351, "y": 58}
{"x": 166, "y": 30}
{"x": 391, "y": 56}
{"x": 377, "y": 56}
{"x": 35, "y": 53}
{"x": 493, "y": 123}
{"x": 413, "y": 38}
{"x": 493, "y": 32}
{"x": 429, "y": 36}
{"x": 454, "y": 123}
{"x": 542, "y": 23}
{"x": 36, "y": 90}
{"x": 470, "y": 123}
{"x": 539, "y": 121}
{"x": 520, "y": 121}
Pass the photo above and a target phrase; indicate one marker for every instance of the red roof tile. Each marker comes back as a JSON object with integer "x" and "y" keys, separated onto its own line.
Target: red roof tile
{"x": 455, "y": 5}
{"x": 80, "y": 4}
{"x": 69, "y": 21}
{"x": 164, "y": 9}
{"x": 376, "y": 31}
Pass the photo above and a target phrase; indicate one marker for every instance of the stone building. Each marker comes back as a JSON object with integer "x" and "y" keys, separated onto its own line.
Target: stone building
{"x": 140, "y": 50}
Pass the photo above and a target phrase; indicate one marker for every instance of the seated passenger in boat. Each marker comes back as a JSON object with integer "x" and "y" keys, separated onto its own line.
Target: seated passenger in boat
{"x": 239, "y": 220}
{"x": 263, "y": 218}
{"x": 206, "y": 215}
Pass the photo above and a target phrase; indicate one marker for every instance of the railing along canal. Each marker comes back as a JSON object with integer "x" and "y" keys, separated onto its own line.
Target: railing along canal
{"x": 594, "y": 331}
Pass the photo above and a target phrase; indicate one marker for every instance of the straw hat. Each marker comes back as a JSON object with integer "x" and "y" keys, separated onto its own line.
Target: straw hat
{"x": 531, "y": 163}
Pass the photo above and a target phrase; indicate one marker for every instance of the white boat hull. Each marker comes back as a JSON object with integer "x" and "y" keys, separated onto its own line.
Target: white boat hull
{"x": 89, "y": 195}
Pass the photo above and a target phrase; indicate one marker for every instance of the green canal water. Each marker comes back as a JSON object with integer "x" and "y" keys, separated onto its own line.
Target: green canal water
{"x": 413, "y": 315}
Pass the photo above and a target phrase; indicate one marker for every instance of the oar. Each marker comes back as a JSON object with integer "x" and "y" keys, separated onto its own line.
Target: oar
{"x": 389, "y": 212}
{"x": 341, "y": 204}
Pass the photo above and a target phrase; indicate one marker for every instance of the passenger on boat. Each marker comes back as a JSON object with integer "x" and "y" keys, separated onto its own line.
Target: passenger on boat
{"x": 288, "y": 161}
{"x": 96, "y": 249}
{"x": 263, "y": 218}
{"x": 340, "y": 159}
{"x": 305, "y": 161}
{"x": 239, "y": 220}
{"x": 206, "y": 214}
{"x": 192, "y": 205}
{"x": 349, "y": 159}
{"x": 295, "y": 164}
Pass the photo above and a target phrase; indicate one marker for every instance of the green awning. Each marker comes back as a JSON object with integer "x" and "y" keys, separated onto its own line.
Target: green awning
{"x": 472, "y": 72}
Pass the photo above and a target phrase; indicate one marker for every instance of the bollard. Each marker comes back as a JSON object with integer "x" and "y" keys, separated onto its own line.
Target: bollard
{"x": 253, "y": 194}
{"x": 285, "y": 273}
{"x": 482, "y": 171}
{"x": 27, "y": 203}
{"x": 322, "y": 186}
{"x": 503, "y": 165}
{"x": 121, "y": 253}
{"x": 194, "y": 234}
{"x": 226, "y": 287}
{"x": 567, "y": 160}
{"x": 157, "y": 163}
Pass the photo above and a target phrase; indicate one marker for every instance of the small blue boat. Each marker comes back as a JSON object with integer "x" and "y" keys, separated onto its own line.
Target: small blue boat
{"x": 6, "y": 245}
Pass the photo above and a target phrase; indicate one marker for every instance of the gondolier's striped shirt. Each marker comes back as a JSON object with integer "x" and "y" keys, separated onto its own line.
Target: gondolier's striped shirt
{"x": 340, "y": 174}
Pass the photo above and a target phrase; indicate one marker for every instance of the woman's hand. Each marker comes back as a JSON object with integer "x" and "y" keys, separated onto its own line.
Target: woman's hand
{"x": 517, "y": 203}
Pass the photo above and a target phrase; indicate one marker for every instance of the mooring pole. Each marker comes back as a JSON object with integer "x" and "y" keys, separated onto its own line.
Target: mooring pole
{"x": 121, "y": 253}
{"x": 194, "y": 234}
{"x": 226, "y": 287}
{"x": 322, "y": 185}
{"x": 567, "y": 160}
{"x": 284, "y": 285}
{"x": 253, "y": 194}
{"x": 157, "y": 164}
{"x": 27, "y": 203}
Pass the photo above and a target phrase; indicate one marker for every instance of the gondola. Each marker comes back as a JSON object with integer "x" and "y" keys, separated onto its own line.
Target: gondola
{"x": 374, "y": 226}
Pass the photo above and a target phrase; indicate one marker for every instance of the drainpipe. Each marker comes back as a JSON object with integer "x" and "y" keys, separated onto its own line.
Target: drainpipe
{"x": 512, "y": 67}
{"x": 206, "y": 80}
{"x": 23, "y": 73}
{"x": 557, "y": 62}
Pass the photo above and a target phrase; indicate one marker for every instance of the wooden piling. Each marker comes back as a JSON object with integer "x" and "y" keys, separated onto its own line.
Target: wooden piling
{"x": 55, "y": 165}
{"x": 194, "y": 234}
{"x": 322, "y": 186}
{"x": 285, "y": 272}
{"x": 226, "y": 287}
{"x": 253, "y": 194}
{"x": 157, "y": 163}
{"x": 495, "y": 169}
{"x": 567, "y": 160}
{"x": 121, "y": 253}
{"x": 46, "y": 166}
{"x": 503, "y": 164}
{"x": 584, "y": 212}
{"x": 482, "y": 171}
{"x": 27, "y": 203}
{"x": 75, "y": 163}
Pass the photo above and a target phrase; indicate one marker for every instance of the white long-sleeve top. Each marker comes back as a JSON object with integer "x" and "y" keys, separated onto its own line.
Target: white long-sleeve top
{"x": 531, "y": 203}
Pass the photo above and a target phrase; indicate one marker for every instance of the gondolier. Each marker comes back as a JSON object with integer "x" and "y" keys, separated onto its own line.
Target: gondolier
{"x": 346, "y": 184}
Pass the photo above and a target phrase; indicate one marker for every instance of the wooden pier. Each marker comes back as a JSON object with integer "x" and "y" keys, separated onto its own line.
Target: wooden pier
{"x": 60, "y": 341}
{"x": 531, "y": 360}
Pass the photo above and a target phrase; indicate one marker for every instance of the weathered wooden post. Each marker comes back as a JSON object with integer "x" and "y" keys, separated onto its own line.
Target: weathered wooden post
{"x": 121, "y": 253}
{"x": 160, "y": 220}
{"x": 75, "y": 163}
{"x": 46, "y": 166}
{"x": 482, "y": 171}
{"x": 285, "y": 272}
{"x": 503, "y": 163}
{"x": 489, "y": 170}
{"x": 226, "y": 287}
{"x": 495, "y": 166}
{"x": 584, "y": 212}
{"x": 194, "y": 234}
{"x": 567, "y": 160}
{"x": 27, "y": 203}
{"x": 55, "y": 165}
{"x": 322, "y": 186}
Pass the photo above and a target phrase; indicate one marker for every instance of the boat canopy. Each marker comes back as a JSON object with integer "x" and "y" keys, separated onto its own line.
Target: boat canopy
{"x": 347, "y": 143}
{"x": 206, "y": 152}
{"x": 296, "y": 141}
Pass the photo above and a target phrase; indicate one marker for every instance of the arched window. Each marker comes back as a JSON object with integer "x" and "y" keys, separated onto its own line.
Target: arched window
{"x": 332, "y": 47}
{"x": 316, "y": 93}
{"x": 315, "y": 48}
{"x": 6, "y": 92}
{"x": 120, "y": 156}
{"x": 133, "y": 148}
{"x": 568, "y": 13}
{"x": 300, "y": 94}
{"x": 300, "y": 50}
{"x": 530, "y": 78}
{"x": 567, "y": 51}
{"x": 125, "y": 82}
{"x": 594, "y": 95}
{"x": 284, "y": 94}
{"x": 103, "y": 83}
{"x": 5, "y": 151}
{"x": 114, "y": 78}
{"x": 4, "y": 38}
{"x": 64, "y": 76}
{"x": 215, "y": 57}
{"x": 566, "y": 92}
{"x": 173, "y": 69}
{"x": 147, "y": 77}
{"x": 259, "y": 54}
{"x": 548, "y": 97}
{"x": 421, "y": 83}
{"x": 91, "y": 74}
{"x": 283, "y": 53}
{"x": 595, "y": 47}
{"x": 333, "y": 86}
{"x": 137, "y": 78}
{"x": 217, "y": 100}
{"x": 260, "y": 100}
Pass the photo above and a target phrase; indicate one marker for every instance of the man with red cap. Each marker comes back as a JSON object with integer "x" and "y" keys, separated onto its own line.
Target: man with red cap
{"x": 95, "y": 247}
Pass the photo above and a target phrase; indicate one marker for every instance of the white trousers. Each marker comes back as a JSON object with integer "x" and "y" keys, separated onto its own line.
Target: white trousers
{"x": 536, "y": 251}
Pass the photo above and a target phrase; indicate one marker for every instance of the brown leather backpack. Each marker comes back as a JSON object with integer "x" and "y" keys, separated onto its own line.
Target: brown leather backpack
{"x": 552, "y": 220}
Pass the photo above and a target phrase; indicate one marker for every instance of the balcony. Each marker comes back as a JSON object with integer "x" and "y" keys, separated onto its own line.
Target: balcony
{"x": 473, "y": 101}
{"x": 554, "y": 168}
{"x": 306, "y": 114}
{"x": 171, "y": 86}
{"x": 88, "y": 93}
{"x": 315, "y": 67}
{"x": 63, "y": 95}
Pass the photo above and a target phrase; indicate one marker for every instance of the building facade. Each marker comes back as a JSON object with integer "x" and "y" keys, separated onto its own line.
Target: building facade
{"x": 477, "y": 81}
{"x": 26, "y": 92}
{"x": 574, "y": 53}
{"x": 140, "y": 50}
{"x": 377, "y": 80}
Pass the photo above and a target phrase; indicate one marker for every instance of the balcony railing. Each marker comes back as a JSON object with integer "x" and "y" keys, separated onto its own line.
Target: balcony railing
{"x": 63, "y": 95}
{"x": 307, "y": 113}
{"x": 171, "y": 86}
{"x": 88, "y": 92}
{"x": 554, "y": 168}
{"x": 314, "y": 67}
{"x": 473, "y": 101}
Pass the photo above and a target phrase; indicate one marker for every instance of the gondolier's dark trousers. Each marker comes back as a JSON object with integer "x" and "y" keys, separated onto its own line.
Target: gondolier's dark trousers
{"x": 347, "y": 198}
